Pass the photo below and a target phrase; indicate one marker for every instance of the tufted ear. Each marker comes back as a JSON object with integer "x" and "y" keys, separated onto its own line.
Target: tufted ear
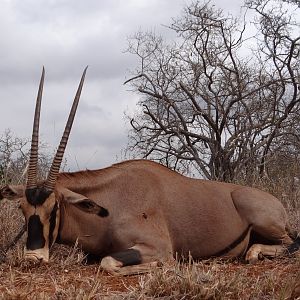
{"x": 83, "y": 203}
{"x": 12, "y": 192}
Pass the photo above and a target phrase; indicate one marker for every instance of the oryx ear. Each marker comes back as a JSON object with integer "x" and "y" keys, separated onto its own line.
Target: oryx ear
{"x": 85, "y": 204}
{"x": 12, "y": 192}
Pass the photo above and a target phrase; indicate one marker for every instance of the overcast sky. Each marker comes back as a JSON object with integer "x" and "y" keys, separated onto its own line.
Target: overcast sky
{"x": 65, "y": 36}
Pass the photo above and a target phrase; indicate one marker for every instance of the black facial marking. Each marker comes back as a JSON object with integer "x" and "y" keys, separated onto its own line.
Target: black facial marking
{"x": 234, "y": 243}
{"x": 37, "y": 196}
{"x": 128, "y": 257}
{"x": 103, "y": 212}
{"x": 52, "y": 221}
{"x": 35, "y": 239}
{"x": 145, "y": 216}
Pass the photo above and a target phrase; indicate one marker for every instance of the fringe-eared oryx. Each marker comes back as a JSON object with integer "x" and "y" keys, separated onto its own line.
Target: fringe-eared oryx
{"x": 137, "y": 213}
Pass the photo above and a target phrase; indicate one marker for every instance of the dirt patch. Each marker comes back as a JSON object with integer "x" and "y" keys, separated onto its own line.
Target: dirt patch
{"x": 213, "y": 279}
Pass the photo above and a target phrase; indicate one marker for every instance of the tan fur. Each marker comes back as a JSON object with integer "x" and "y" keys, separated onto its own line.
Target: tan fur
{"x": 161, "y": 213}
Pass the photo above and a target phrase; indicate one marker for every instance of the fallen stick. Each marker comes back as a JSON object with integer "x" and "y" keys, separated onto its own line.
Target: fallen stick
{"x": 3, "y": 251}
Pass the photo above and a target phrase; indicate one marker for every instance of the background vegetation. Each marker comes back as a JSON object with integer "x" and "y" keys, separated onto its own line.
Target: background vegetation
{"x": 221, "y": 101}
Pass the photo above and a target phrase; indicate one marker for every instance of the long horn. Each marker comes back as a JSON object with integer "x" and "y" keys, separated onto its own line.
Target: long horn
{"x": 32, "y": 166}
{"x": 54, "y": 170}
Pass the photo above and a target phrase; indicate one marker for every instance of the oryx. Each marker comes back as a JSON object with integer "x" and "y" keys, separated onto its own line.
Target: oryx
{"x": 137, "y": 213}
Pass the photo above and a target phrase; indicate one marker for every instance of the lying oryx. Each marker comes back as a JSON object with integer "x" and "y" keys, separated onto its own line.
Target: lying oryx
{"x": 139, "y": 212}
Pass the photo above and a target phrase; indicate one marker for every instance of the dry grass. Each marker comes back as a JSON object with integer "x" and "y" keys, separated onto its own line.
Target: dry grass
{"x": 216, "y": 279}
{"x": 68, "y": 276}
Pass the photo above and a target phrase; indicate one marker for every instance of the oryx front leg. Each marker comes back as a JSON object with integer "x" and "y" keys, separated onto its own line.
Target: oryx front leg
{"x": 114, "y": 262}
{"x": 135, "y": 260}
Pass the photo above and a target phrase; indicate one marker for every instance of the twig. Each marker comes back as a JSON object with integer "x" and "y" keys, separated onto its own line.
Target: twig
{"x": 3, "y": 251}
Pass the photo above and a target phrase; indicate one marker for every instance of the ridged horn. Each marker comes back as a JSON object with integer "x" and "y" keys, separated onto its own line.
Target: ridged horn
{"x": 33, "y": 160}
{"x": 54, "y": 170}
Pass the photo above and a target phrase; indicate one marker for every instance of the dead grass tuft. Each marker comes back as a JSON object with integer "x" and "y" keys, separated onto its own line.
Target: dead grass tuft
{"x": 215, "y": 279}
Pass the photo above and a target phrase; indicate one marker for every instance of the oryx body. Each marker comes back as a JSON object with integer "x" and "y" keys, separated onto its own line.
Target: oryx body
{"x": 139, "y": 212}
{"x": 153, "y": 208}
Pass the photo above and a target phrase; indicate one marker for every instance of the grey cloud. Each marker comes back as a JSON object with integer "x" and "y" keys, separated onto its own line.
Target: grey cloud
{"x": 33, "y": 11}
{"x": 65, "y": 36}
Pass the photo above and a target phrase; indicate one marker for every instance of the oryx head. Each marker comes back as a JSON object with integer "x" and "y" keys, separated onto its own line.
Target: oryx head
{"x": 40, "y": 201}
{"x": 40, "y": 205}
